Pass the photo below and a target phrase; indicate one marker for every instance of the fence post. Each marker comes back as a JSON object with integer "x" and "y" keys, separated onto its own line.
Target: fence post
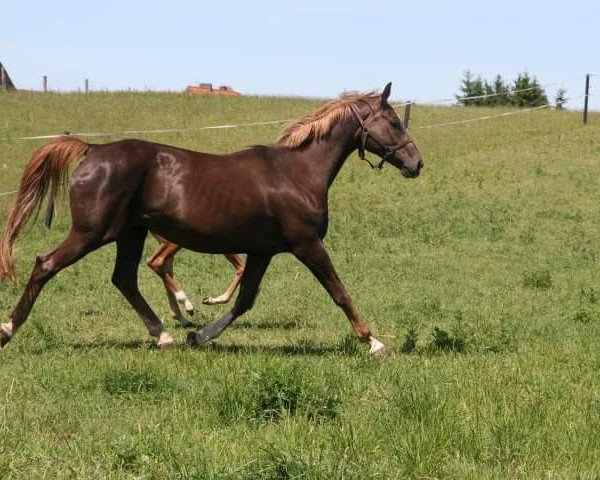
{"x": 87, "y": 85}
{"x": 407, "y": 114}
{"x": 586, "y": 97}
{"x": 45, "y": 83}
{"x": 2, "y": 80}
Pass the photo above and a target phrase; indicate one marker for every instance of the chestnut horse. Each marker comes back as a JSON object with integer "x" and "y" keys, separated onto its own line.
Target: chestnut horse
{"x": 261, "y": 201}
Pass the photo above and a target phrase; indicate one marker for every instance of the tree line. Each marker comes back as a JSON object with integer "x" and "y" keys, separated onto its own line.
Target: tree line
{"x": 523, "y": 91}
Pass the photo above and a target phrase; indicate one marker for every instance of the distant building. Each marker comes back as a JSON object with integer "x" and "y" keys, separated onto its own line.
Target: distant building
{"x": 5, "y": 81}
{"x": 207, "y": 89}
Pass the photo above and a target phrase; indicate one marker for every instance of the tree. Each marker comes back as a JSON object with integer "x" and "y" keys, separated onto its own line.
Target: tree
{"x": 529, "y": 92}
{"x": 471, "y": 87}
{"x": 560, "y": 98}
{"x": 500, "y": 89}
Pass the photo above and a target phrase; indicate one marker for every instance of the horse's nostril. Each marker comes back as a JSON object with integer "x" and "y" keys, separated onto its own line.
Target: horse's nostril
{"x": 420, "y": 164}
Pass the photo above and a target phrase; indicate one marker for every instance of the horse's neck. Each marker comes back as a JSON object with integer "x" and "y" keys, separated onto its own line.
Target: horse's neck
{"x": 328, "y": 155}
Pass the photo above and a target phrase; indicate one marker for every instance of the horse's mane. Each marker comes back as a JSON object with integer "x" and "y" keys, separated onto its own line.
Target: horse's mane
{"x": 319, "y": 123}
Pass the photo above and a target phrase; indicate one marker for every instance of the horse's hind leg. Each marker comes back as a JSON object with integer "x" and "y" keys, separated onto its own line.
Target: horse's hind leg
{"x": 238, "y": 264}
{"x": 47, "y": 265}
{"x": 129, "y": 253}
{"x": 162, "y": 264}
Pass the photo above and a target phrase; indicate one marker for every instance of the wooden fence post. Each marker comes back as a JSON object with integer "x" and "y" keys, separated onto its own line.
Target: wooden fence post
{"x": 407, "y": 114}
{"x": 586, "y": 97}
{"x": 87, "y": 85}
{"x": 45, "y": 83}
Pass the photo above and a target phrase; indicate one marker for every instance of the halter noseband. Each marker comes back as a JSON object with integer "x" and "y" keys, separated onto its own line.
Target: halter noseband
{"x": 388, "y": 150}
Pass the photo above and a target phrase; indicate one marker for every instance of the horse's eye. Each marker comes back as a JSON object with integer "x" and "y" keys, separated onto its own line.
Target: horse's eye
{"x": 396, "y": 124}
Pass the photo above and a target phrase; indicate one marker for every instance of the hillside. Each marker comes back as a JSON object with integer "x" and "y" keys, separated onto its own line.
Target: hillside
{"x": 483, "y": 276}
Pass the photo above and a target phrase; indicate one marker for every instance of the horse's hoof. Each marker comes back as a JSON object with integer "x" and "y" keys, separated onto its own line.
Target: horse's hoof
{"x": 5, "y": 334}
{"x": 378, "y": 349}
{"x": 195, "y": 339}
{"x": 182, "y": 321}
{"x": 165, "y": 341}
{"x": 192, "y": 339}
{"x": 214, "y": 301}
{"x": 185, "y": 323}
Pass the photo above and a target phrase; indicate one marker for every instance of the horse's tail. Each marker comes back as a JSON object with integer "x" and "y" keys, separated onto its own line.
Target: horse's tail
{"x": 47, "y": 170}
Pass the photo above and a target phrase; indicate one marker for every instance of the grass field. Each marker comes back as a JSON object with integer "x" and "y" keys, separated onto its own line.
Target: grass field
{"x": 482, "y": 275}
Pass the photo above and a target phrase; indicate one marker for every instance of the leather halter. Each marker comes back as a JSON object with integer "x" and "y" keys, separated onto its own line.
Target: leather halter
{"x": 388, "y": 150}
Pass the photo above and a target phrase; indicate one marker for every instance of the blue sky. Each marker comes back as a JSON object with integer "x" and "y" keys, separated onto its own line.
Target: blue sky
{"x": 308, "y": 48}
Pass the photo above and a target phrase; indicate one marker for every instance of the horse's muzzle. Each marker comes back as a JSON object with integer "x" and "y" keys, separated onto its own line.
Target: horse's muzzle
{"x": 412, "y": 173}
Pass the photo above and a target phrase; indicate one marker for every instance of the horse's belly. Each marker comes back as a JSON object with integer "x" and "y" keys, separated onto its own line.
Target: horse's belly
{"x": 254, "y": 237}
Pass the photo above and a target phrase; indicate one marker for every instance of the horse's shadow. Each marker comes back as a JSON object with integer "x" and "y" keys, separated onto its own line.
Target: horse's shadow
{"x": 249, "y": 325}
{"x": 297, "y": 349}
{"x": 301, "y": 348}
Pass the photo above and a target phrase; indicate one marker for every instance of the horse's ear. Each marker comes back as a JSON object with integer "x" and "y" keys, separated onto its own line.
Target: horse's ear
{"x": 386, "y": 93}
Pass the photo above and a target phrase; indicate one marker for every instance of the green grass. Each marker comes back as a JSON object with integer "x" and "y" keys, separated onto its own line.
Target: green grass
{"x": 482, "y": 276}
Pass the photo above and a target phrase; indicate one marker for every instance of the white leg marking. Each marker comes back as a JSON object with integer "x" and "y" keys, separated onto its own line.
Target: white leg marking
{"x": 165, "y": 341}
{"x": 189, "y": 307}
{"x": 184, "y": 300}
{"x": 216, "y": 301}
{"x": 376, "y": 346}
{"x": 7, "y": 329}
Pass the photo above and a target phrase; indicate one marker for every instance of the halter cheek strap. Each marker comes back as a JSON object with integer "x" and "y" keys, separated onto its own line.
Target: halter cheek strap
{"x": 388, "y": 150}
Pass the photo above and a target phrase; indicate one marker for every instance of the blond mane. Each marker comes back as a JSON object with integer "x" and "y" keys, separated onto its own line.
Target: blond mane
{"x": 318, "y": 124}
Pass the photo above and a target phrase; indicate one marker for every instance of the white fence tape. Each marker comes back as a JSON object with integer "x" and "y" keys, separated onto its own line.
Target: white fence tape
{"x": 5, "y": 194}
{"x": 166, "y": 130}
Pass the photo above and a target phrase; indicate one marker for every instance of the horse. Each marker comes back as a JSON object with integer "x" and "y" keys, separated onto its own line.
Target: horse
{"x": 262, "y": 201}
{"x": 161, "y": 262}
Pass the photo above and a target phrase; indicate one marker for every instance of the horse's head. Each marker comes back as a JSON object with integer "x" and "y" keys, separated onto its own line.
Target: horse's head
{"x": 384, "y": 134}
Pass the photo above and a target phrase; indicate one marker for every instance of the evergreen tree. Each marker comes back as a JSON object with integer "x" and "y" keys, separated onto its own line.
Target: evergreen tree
{"x": 500, "y": 90}
{"x": 471, "y": 87}
{"x": 560, "y": 98}
{"x": 533, "y": 96}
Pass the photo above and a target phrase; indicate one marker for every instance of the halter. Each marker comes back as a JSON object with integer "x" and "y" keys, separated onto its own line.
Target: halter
{"x": 388, "y": 150}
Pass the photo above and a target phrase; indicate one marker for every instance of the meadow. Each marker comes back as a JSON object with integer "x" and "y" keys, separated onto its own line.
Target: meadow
{"x": 482, "y": 276}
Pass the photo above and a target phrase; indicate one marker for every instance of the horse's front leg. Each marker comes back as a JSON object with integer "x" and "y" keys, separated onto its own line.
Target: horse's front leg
{"x": 256, "y": 266}
{"x": 315, "y": 257}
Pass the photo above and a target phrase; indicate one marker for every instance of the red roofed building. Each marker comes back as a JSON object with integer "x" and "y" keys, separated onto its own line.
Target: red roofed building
{"x": 207, "y": 89}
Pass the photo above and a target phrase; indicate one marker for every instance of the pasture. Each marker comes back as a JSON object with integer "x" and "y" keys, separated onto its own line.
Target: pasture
{"x": 482, "y": 275}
